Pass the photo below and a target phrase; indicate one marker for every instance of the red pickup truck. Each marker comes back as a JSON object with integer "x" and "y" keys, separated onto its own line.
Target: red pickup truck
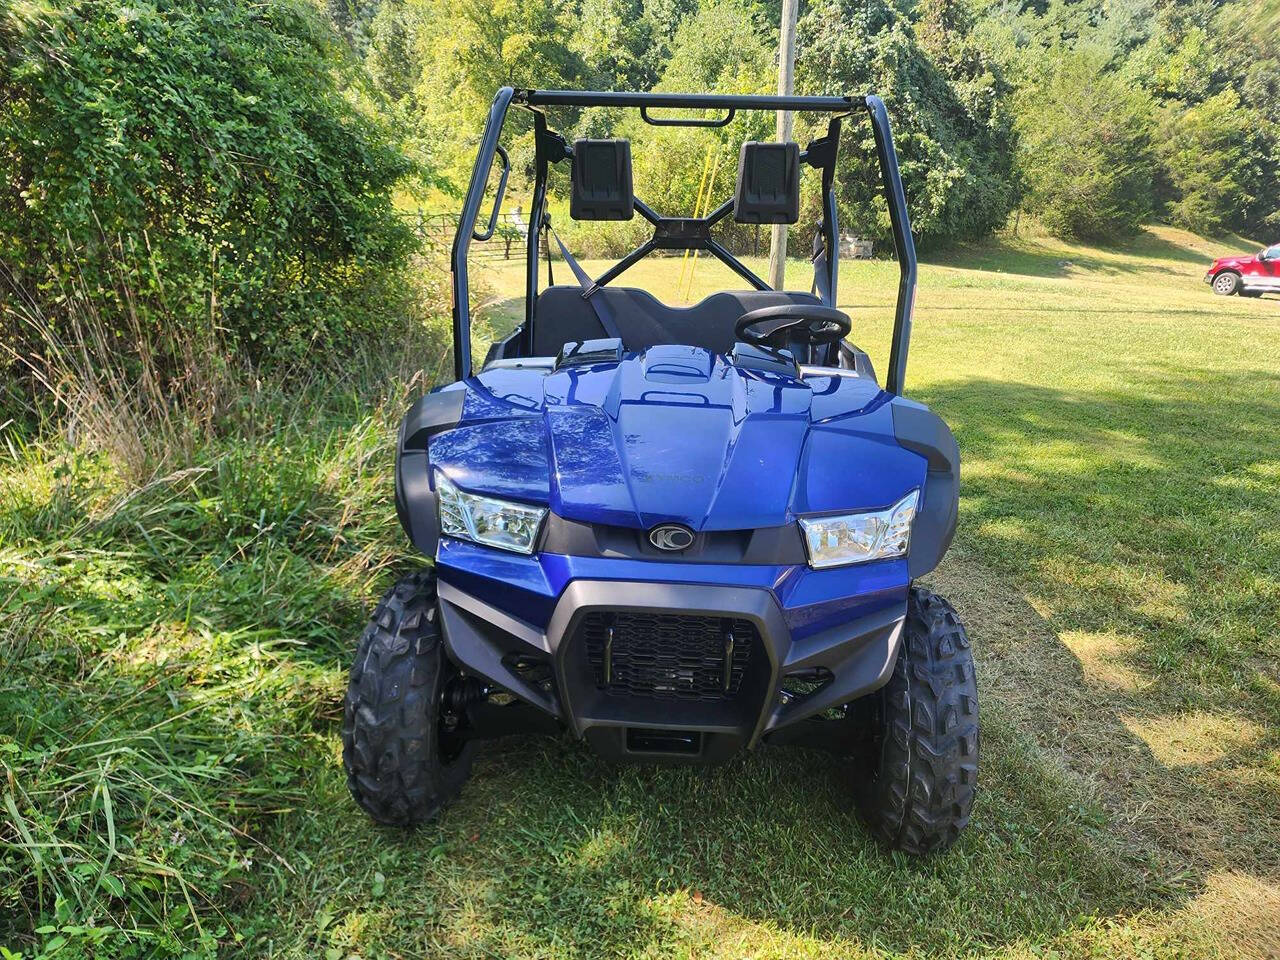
{"x": 1247, "y": 276}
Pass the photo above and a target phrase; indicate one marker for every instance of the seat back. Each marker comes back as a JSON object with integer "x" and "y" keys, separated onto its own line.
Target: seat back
{"x": 562, "y": 315}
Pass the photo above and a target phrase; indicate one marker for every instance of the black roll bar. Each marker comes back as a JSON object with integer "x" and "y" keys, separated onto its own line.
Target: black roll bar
{"x": 691, "y": 101}
{"x": 466, "y": 229}
{"x": 903, "y": 244}
{"x": 895, "y": 196}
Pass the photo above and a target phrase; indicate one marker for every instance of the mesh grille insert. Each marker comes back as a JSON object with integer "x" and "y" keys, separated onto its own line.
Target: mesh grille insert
{"x": 669, "y": 656}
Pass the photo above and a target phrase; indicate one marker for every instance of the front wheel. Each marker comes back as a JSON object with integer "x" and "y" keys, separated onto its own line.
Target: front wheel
{"x": 919, "y": 764}
{"x": 401, "y": 748}
{"x": 1226, "y": 283}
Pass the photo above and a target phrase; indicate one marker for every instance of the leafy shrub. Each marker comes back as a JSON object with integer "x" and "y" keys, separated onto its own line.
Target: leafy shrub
{"x": 212, "y": 142}
{"x": 1213, "y": 156}
{"x": 946, "y": 101}
{"x": 1086, "y": 148}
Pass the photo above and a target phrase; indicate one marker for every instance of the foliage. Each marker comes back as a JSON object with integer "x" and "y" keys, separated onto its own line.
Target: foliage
{"x": 951, "y": 128}
{"x": 522, "y": 43}
{"x": 621, "y": 46}
{"x": 1247, "y": 35}
{"x": 724, "y": 46}
{"x": 1086, "y": 148}
{"x": 212, "y": 142}
{"x": 390, "y": 56}
{"x": 1213, "y": 155}
{"x": 1184, "y": 54}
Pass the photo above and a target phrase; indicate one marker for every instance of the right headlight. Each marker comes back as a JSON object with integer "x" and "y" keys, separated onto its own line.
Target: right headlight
{"x": 859, "y": 537}
{"x": 487, "y": 520}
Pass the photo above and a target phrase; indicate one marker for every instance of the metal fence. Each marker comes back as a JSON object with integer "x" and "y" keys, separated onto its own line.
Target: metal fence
{"x": 508, "y": 235}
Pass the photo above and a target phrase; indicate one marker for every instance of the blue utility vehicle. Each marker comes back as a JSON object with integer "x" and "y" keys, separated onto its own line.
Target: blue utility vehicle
{"x": 674, "y": 532}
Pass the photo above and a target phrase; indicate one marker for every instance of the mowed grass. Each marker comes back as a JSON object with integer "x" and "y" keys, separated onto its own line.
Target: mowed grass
{"x": 174, "y": 660}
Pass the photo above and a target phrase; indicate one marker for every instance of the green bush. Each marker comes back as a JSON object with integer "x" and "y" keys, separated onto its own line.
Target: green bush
{"x": 946, "y": 101}
{"x": 212, "y": 143}
{"x": 1086, "y": 148}
{"x": 1211, "y": 154}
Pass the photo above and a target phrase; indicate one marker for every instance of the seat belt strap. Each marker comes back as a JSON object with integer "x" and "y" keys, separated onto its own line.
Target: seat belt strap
{"x": 598, "y": 304}
{"x": 546, "y": 227}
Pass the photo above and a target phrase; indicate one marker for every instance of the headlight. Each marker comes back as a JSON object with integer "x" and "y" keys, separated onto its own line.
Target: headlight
{"x": 859, "y": 537}
{"x": 495, "y": 523}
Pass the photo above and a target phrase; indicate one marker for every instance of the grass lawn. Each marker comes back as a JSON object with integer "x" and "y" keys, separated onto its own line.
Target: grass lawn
{"x": 173, "y": 659}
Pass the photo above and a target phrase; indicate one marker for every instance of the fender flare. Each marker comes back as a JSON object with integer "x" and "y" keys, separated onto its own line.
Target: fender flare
{"x": 415, "y": 498}
{"x": 920, "y": 430}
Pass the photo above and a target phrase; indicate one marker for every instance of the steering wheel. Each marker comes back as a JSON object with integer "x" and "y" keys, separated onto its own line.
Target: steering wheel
{"x": 814, "y": 323}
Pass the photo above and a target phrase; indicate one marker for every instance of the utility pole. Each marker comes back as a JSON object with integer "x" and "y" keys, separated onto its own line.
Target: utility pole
{"x": 786, "y": 86}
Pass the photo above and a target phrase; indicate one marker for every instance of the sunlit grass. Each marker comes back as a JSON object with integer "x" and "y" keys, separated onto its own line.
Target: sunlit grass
{"x": 179, "y": 651}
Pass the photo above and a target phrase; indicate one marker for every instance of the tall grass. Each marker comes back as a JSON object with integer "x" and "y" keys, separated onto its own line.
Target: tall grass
{"x": 163, "y": 655}
{"x": 133, "y": 384}
{"x": 186, "y": 547}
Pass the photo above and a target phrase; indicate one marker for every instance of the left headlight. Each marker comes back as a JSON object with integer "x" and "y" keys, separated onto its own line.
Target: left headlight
{"x": 486, "y": 520}
{"x": 860, "y": 537}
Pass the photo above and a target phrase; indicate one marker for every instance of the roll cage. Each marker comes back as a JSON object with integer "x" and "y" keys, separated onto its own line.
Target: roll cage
{"x": 681, "y": 233}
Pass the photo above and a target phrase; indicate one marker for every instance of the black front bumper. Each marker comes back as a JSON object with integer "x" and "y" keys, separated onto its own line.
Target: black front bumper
{"x": 558, "y": 669}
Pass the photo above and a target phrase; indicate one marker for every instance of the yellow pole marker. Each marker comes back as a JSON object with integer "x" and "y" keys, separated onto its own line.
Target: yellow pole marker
{"x": 697, "y": 202}
{"x": 706, "y": 208}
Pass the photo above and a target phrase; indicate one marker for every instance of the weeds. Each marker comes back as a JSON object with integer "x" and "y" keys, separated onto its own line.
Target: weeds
{"x": 170, "y": 655}
{"x": 185, "y": 547}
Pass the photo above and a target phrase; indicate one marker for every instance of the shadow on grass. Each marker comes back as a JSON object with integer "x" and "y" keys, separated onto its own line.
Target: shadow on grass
{"x": 1146, "y": 253}
{"x": 1139, "y": 516}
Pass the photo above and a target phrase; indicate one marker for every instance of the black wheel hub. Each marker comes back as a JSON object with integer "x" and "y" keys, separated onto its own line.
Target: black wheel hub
{"x": 456, "y": 695}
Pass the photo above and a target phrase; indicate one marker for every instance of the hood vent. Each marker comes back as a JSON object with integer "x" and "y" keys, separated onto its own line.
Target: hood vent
{"x": 583, "y": 353}
{"x": 673, "y": 364}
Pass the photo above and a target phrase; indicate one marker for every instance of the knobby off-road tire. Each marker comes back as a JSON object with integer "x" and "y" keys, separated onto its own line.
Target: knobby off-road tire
{"x": 920, "y": 765}
{"x": 400, "y": 768}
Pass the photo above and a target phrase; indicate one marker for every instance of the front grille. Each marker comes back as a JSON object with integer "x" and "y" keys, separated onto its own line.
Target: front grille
{"x": 669, "y": 656}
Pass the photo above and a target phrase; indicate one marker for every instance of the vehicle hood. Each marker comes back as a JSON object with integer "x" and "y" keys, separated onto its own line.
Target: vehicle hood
{"x": 677, "y": 434}
{"x": 1222, "y": 262}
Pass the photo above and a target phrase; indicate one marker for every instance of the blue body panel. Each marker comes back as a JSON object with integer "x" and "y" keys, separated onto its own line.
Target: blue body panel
{"x": 677, "y": 434}
{"x": 811, "y": 600}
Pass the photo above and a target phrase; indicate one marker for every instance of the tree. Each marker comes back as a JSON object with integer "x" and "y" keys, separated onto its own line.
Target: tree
{"x": 616, "y": 41}
{"x": 1212, "y": 155}
{"x": 951, "y": 126}
{"x": 523, "y": 43}
{"x": 1086, "y": 148}
{"x": 390, "y": 59}
{"x": 724, "y": 47}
